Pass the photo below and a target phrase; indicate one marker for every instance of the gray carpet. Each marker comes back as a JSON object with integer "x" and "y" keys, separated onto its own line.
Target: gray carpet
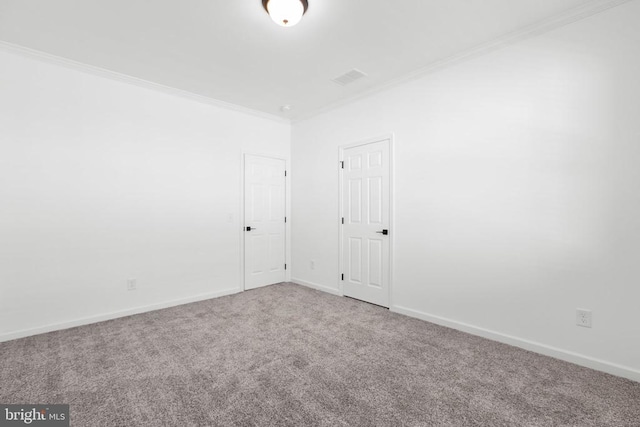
{"x": 288, "y": 355}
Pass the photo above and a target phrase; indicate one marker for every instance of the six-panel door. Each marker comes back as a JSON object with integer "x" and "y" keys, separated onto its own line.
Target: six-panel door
{"x": 366, "y": 195}
{"x": 264, "y": 206}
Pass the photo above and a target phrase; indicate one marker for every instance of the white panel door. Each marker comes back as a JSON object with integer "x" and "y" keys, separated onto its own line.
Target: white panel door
{"x": 264, "y": 221}
{"x": 366, "y": 211}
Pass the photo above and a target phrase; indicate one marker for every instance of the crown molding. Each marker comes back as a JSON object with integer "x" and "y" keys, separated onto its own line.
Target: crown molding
{"x": 557, "y": 21}
{"x": 124, "y": 78}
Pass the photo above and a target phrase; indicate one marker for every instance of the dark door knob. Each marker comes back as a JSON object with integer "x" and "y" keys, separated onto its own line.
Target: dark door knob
{"x": 249, "y": 228}
{"x": 385, "y": 232}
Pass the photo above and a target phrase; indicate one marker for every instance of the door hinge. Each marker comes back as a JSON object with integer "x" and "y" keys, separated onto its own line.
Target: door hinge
{"x": 285, "y": 219}
{"x": 285, "y": 173}
{"x": 285, "y": 266}
{"x": 342, "y": 278}
{"x": 343, "y": 220}
{"x": 342, "y": 164}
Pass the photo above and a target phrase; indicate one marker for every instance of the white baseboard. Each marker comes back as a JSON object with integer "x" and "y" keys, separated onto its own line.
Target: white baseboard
{"x": 567, "y": 356}
{"x": 113, "y": 315}
{"x": 322, "y": 288}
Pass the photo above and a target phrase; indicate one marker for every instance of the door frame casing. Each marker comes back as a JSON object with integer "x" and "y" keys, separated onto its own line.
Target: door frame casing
{"x": 287, "y": 207}
{"x": 341, "y": 149}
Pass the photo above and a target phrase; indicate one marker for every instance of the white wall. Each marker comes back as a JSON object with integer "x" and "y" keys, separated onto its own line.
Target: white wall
{"x": 101, "y": 181}
{"x": 516, "y": 192}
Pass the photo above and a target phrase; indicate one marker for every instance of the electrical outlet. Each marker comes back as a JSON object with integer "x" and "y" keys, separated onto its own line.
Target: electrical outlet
{"x": 312, "y": 264}
{"x": 583, "y": 318}
{"x": 132, "y": 284}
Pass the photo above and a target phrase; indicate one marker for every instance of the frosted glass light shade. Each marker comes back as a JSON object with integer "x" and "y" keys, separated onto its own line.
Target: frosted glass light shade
{"x": 286, "y": 13}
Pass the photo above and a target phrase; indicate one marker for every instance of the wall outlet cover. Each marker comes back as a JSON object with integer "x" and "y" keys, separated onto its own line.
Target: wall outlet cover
{"x": 583, "y": 318}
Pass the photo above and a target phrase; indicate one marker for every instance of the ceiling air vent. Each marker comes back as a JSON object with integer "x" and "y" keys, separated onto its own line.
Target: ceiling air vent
{"x": 349, "y": 77}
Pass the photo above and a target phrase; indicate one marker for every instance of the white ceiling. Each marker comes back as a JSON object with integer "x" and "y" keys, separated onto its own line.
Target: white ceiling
{"x": 230, "y": 50}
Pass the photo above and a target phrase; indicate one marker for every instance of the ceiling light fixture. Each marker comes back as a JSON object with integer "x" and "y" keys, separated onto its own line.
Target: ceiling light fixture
{"x": 286, "y": 13}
